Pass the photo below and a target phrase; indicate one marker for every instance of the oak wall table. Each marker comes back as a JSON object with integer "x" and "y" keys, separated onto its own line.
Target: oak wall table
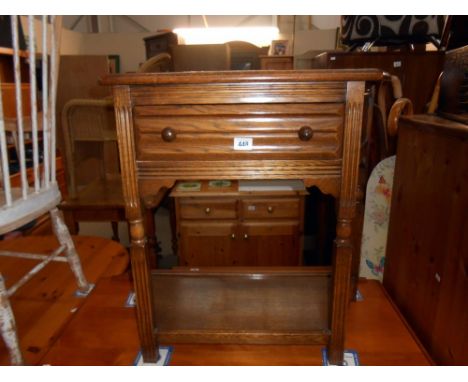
{"x": 285, "y": 124}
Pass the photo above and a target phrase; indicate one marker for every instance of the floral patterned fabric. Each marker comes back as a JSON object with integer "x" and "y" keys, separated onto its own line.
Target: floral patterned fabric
{"x": 376, "y": 216}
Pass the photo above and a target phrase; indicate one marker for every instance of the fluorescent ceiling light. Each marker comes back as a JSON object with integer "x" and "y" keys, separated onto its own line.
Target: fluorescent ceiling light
{"x": 260, "y": 36}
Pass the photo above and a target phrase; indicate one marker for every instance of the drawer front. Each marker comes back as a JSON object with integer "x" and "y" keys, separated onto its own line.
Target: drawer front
{"x": 270, "y": 208}
{"x": 207, "y": 209}
{"x": 198, "y": 132}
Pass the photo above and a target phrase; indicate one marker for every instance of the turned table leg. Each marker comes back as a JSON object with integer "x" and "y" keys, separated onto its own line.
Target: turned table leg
{"x": 343, "y": 254}
{"x": 341, "y": 288}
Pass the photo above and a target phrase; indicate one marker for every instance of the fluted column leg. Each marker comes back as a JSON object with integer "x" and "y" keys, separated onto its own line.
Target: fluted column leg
{"x": 342, "y": 259}
{"x": 142, "y": 283}
{"x": 343, "y": 253}
{"x": 139, "y": 250}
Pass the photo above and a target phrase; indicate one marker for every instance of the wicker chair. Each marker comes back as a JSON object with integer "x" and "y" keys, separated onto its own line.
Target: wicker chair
{"x": 91, "y": 154}
{"x": 162, "y": 62}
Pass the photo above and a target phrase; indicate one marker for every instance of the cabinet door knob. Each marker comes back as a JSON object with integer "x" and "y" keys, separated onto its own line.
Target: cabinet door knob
{"x": 233, "y": 236}
{"x": 207, "y": 210}
{"x": 246, "y": 236}
{"x": 168, "y": 134}
{"x": 270, "y": 209}
{"x": 305, "y": 133}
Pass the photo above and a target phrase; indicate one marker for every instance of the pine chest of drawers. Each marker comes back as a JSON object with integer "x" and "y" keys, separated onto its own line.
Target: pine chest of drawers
{"x": 228, "y": 227}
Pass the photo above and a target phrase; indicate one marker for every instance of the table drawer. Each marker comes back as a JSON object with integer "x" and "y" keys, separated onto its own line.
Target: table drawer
{"x": 270, "y": 208}
{"x": 208, "y": 209}
{"x": 186, "y": 132}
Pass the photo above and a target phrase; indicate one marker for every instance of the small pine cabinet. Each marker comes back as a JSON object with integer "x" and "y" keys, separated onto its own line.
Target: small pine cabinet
{"x": 225, "y": 226}
{"x": 426, "y": 265}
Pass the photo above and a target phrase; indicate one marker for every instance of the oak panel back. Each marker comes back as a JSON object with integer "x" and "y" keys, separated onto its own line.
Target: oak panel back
{"x": 248, "y": 301}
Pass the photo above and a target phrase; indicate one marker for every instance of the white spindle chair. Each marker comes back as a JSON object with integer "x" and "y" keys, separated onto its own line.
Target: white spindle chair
{"x": 19, "y": 206}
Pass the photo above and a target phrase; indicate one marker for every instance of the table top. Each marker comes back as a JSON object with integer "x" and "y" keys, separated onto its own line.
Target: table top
{"x": 244, "y": 76}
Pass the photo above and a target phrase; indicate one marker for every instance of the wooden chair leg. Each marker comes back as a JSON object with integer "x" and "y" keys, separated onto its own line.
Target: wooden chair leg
{"x": 64, "y": 238}
{"x": 8, "y": 326}
{"x": 150, "y": 229}
{"x": 172, "y": 217}
{"x": 322, "y": 230}
{"x": 115, "y": 231}
{"x": 72, "y": 224}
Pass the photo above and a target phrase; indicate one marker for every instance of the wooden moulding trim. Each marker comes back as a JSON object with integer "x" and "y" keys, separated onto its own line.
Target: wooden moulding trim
{"x": 319, "y": 337}
{"x": 244, "y": 271}
{"x": 182, "y": 174}
{"x": 351, "y": 145}
{"x": 244, "y": 76}
{"x": 232, "y": 170}
{"x": 253, "y": 92}
{"x": 309, "y": 110}
{"x": 124, "y": 124}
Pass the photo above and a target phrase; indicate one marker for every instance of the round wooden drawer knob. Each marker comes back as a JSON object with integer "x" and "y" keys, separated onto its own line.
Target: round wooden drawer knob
{"x": 270, "y": 209}
{"x": 207, "y": 210}
{"x": 305, "y": 133}
{"x": 168, "y": 134}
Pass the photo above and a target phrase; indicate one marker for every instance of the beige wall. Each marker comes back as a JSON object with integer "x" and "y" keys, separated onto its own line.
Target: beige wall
{"x": 129, "y": 46}
{"x": 315, "y": 39}
{"x": 72, "y": 42}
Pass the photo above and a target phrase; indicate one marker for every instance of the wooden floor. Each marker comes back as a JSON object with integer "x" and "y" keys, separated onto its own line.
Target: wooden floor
{"x": 46, "y": 304}
{"x": 56, "y": 328}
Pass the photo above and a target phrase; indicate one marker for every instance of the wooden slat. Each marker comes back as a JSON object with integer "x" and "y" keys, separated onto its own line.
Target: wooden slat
{"x": 239, "y": 337}
{"x": 238, "y": 169}
{"x": 9, "y": 51}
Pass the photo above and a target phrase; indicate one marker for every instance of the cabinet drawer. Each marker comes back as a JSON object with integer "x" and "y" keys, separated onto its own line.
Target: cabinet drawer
{"x": 270, "y": 208}
{"x": 208, "y": 209}
{"x": 198, "y": 132}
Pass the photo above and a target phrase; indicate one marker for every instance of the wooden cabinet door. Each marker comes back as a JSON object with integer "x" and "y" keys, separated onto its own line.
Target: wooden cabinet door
{"x": 207, "y": 243}
{"x": 248, "y": 244}
{"x": 268, "y": 243}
